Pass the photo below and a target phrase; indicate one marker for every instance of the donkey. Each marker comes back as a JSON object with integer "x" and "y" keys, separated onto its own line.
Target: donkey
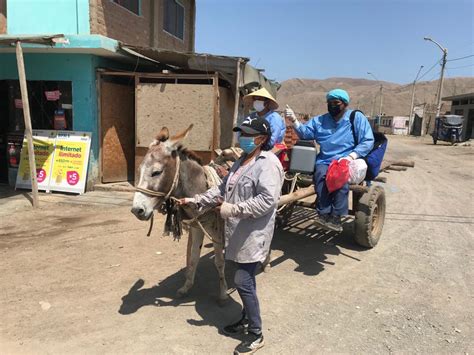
{"x": 170, "y": 171}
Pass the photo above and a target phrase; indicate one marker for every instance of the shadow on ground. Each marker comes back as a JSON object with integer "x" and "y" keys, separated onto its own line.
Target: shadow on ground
{"x": 299, "y": 240}
{"x": 203, "y": 295}
{"x": 307, "y": 245}
{"x": 8, "y": 191}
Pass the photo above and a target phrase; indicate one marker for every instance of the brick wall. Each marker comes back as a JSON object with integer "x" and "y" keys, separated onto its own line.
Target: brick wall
{"x": 3, "y": 16}
{"x": 114, "y": 21}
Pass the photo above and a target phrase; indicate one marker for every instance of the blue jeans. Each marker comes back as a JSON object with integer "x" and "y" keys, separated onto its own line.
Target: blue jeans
{"x": 336, "y": 203}
{"x": 246, "y": 286}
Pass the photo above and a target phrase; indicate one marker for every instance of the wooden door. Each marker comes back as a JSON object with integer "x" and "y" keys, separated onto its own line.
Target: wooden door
{"x": 118, "y": 131}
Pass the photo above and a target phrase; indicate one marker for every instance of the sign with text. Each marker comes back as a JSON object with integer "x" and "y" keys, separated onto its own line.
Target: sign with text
{"x": 43, "y": 143}
{"x": 70, "y": 161}
{"x": 61, "y": 161}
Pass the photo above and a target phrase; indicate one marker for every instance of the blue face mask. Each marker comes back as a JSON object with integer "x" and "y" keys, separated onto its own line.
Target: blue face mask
{"x": 247, "y": 144}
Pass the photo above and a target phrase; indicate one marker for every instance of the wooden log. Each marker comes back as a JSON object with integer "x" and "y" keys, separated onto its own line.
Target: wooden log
{"x": 309, "y": 191}
{"x": 396, "y": 168}
{"x": 297, "y": 195}
{"x": 407, "y": 163}
{"x": 380, "y": 179}
{"x": 358, "y": 188}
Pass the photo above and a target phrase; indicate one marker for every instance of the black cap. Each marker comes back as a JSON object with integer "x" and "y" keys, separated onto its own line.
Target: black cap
{"x": 254, "y": 125}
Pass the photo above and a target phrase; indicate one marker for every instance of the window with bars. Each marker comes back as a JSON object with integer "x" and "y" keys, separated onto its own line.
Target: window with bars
{"x": 174, "y": 18}
{"x": 130, "y": 5}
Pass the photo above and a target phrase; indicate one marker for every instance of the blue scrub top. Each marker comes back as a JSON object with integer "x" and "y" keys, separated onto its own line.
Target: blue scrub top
{"x": 335, "y": 138}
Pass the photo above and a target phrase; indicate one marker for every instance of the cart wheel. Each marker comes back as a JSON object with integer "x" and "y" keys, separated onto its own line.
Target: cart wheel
{"x": 369, "y": 217}
{"x": 435, "y": 141}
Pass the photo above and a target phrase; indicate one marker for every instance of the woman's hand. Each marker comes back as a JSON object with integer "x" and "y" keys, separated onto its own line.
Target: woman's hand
{"x": 226, "y": 210}
{"x": 186, "y": 201}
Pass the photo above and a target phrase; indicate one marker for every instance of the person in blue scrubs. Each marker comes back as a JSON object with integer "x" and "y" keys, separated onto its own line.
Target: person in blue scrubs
{"x": 265, "y": 105}
{"x": 333, "y": 132}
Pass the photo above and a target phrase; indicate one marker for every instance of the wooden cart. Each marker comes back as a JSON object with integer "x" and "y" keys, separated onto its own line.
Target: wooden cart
{"x": 368, "y": 202}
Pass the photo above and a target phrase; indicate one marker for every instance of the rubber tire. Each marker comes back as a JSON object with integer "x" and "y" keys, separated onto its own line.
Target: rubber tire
{"x": 365, "y": 234}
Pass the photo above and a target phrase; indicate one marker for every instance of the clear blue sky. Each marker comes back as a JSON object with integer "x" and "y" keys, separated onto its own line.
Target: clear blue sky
{"x": 346, "y": 38}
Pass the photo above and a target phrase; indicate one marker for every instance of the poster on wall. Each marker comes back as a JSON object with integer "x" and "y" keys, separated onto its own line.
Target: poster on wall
{"x": 61, "y": 161}
{"x": 71, "y": 156}
{"x": 43, "y": 143}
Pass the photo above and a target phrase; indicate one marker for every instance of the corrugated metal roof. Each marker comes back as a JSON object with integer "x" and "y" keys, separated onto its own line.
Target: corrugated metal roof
{"x": 458, "y": 97}
{"x": 250, "y": 79}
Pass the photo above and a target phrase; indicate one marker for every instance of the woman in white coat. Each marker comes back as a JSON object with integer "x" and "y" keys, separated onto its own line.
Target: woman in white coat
{"x": 247, "y": 200}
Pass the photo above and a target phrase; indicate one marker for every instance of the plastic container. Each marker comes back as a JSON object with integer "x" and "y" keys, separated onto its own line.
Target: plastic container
{"x": 303, "y": 157}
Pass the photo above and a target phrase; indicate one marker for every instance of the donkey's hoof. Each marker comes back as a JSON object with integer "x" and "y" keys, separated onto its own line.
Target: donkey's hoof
{"x": 182, "y": 292}
{"x": 221, "y": 302}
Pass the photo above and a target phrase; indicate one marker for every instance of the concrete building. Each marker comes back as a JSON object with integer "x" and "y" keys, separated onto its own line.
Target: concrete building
{"x": 91, "y": 34}
{"x": 123, "y": 69}
{"x": 463, "y": 105}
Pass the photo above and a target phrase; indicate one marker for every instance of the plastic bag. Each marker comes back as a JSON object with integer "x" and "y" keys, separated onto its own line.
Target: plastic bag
{"x": 357, "y": 171}
{"x": 337, "y": 175}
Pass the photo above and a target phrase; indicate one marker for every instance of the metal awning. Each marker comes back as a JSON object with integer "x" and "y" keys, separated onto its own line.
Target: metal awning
{"x": 227, "y": 66}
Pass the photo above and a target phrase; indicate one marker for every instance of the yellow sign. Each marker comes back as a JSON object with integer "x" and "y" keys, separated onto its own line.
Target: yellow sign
{"x": 43, "y": 143}
{"x": 61, "y": 161}
{"x": 68, "y": 167}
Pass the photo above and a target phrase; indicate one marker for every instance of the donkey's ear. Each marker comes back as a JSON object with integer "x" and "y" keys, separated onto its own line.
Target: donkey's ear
{"x": 173, "y": 142}
{"x": 163, "y": 135}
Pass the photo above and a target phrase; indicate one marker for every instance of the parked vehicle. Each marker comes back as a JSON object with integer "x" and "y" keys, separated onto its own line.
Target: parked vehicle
{"x": 448, "y": 128}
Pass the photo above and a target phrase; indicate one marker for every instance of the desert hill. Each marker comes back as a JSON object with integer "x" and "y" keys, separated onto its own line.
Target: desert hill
{"x": 308, "y": 95}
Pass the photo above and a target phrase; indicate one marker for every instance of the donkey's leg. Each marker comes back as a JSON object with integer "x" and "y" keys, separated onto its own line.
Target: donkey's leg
{"x": 196, "y": 236}
{"x": 220, "y": 265}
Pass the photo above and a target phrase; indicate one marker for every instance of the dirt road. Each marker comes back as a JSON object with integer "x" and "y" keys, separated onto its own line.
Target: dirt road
{"x": 80, "y": 276}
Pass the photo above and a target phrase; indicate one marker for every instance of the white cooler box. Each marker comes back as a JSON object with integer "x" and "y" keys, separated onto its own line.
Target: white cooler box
{"x": 303, "y": 157}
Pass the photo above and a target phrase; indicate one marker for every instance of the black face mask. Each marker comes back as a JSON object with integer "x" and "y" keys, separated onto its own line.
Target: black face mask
{"x": 334, "y": 110}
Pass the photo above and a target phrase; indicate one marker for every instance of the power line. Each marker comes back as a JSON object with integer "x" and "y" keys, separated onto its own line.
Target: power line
{"x": 430, "y": 69}
{"x": 468, "y": 56}
{"x": 434, "y": 76}
{"x": 464, "y": 66}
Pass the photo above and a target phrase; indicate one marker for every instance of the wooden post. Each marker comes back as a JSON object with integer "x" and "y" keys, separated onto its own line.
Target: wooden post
{"x": 237, "y": 99}
{"x": 28, "y": 129}
{"x": 216, "y": 134}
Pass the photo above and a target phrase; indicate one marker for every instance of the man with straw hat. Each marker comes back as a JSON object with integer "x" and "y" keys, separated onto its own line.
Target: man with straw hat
{"x": 265, "y": 105}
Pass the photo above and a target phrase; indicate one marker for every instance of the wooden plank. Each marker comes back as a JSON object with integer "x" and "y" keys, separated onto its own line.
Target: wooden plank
{"x": 237, "y": 99}
{"x": 117, "y": 126}
{"x": 175, "y": 106}
{"x": 215, "y": 124}
{"x": 27, "y": 118}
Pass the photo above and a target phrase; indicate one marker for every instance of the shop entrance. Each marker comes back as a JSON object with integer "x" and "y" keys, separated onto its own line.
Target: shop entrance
{"x": 117, "y": 123}
{"x": 50, "y": 108}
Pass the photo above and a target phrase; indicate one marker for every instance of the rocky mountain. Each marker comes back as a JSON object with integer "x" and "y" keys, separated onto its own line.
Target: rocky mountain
{"x": 308, "y": 95}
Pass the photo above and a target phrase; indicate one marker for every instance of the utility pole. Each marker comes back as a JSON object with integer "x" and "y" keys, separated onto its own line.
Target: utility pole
{"x": 410, "y": 116}
{"x": 381, "y": 94}
{"x": 381, "y": 99}
{"x": 441, "y": 79}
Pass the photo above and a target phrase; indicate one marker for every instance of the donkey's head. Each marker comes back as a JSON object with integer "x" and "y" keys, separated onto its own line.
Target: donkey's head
{"x": 158, "y": 172}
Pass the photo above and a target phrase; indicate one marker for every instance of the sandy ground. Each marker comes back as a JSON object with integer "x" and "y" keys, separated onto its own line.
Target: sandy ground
{"x": 80, "y": 276}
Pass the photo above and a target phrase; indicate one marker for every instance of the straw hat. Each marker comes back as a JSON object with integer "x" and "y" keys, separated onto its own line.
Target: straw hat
{"x": 248, "y": 99}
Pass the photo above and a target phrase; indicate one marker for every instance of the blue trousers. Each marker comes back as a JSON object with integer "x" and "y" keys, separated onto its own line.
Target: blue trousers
{"x": 246, "y": 286}
{"x": 336, "y": 203}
